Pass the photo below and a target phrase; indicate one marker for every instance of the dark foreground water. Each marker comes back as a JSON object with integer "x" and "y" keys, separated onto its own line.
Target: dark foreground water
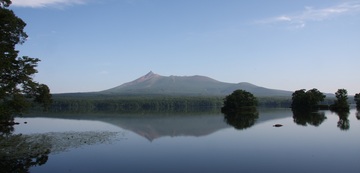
{"x": 326, "y": 142}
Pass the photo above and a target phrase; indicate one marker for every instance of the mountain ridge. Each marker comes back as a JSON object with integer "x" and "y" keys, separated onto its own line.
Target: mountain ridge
{"x": 196, "y": 85}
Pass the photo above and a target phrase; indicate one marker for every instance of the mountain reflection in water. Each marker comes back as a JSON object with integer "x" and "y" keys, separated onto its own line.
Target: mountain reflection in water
{"x": 191, "y": 142}
{"x": 154, "y": 126}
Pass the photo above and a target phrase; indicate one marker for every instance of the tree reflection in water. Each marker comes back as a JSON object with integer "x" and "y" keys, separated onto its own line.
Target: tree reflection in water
{"x": 358, "y": 114}
{"x": 18, "y": 153}
{"x": 242, "y": 119}
{"x": 344, "y": 122}
{"x": 304, "y": 118}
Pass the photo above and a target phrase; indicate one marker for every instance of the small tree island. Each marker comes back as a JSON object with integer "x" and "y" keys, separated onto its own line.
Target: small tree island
{"x": 341, "y": 103}
{"x": 240, "y": 109}
{"x": 305, "y": 101}
{"x": 239, "y": 101}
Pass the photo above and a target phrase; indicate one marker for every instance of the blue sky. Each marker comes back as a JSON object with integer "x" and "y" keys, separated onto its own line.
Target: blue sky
{"x": 93, "y": 45}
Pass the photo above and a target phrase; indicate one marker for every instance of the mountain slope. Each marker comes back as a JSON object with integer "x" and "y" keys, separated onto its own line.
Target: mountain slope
{"x": 152, "y": 83}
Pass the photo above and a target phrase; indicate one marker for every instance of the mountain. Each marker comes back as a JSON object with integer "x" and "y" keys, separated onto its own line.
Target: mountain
{"x": 154, "y": 84}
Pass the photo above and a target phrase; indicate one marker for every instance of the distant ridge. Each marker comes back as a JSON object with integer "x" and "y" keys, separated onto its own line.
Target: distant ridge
{"x": 154, "y": 84}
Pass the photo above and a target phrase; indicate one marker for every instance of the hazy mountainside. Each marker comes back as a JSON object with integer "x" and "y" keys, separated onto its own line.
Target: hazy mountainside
{"x": 152, "y": 83}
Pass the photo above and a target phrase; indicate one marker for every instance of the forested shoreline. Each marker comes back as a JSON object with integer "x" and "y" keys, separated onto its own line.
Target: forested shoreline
{"x": 134, "y": 104}
{"x": 121, "y": 103}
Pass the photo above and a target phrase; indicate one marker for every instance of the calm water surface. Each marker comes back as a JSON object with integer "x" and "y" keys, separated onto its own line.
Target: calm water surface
{"x": 326, "y": 142}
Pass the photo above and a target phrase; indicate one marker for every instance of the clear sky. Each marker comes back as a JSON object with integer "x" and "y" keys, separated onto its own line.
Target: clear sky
{"x": 93, "y": 45}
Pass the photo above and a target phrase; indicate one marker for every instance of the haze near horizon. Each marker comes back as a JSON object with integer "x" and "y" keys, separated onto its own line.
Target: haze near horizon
{"x": 87, "y": 45}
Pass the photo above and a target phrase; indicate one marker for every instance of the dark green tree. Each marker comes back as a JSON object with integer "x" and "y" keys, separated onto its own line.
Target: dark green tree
{"x": 299, "y": 99}
{"x": 18, "y": 90}
{"x": 303, "y": 100}
{"x": 5, "y": 3}
{"x": 239, "y": 100}
{"x": 357, "y": 100}
{"x": 341, "y": 103}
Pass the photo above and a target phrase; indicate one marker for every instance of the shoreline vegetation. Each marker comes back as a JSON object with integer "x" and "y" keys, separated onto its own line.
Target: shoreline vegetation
{"x": 158, "y": 103}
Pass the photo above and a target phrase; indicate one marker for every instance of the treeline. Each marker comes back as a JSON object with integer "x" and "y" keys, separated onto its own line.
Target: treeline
{"x": 274, "y": 102}
{"x": 155, "y": 103}
{"x": 135, "y": 104}
{"x": 106, "y": 103}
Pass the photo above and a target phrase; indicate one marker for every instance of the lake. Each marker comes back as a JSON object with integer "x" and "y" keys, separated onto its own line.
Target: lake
{"x": 201, "y": 142}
